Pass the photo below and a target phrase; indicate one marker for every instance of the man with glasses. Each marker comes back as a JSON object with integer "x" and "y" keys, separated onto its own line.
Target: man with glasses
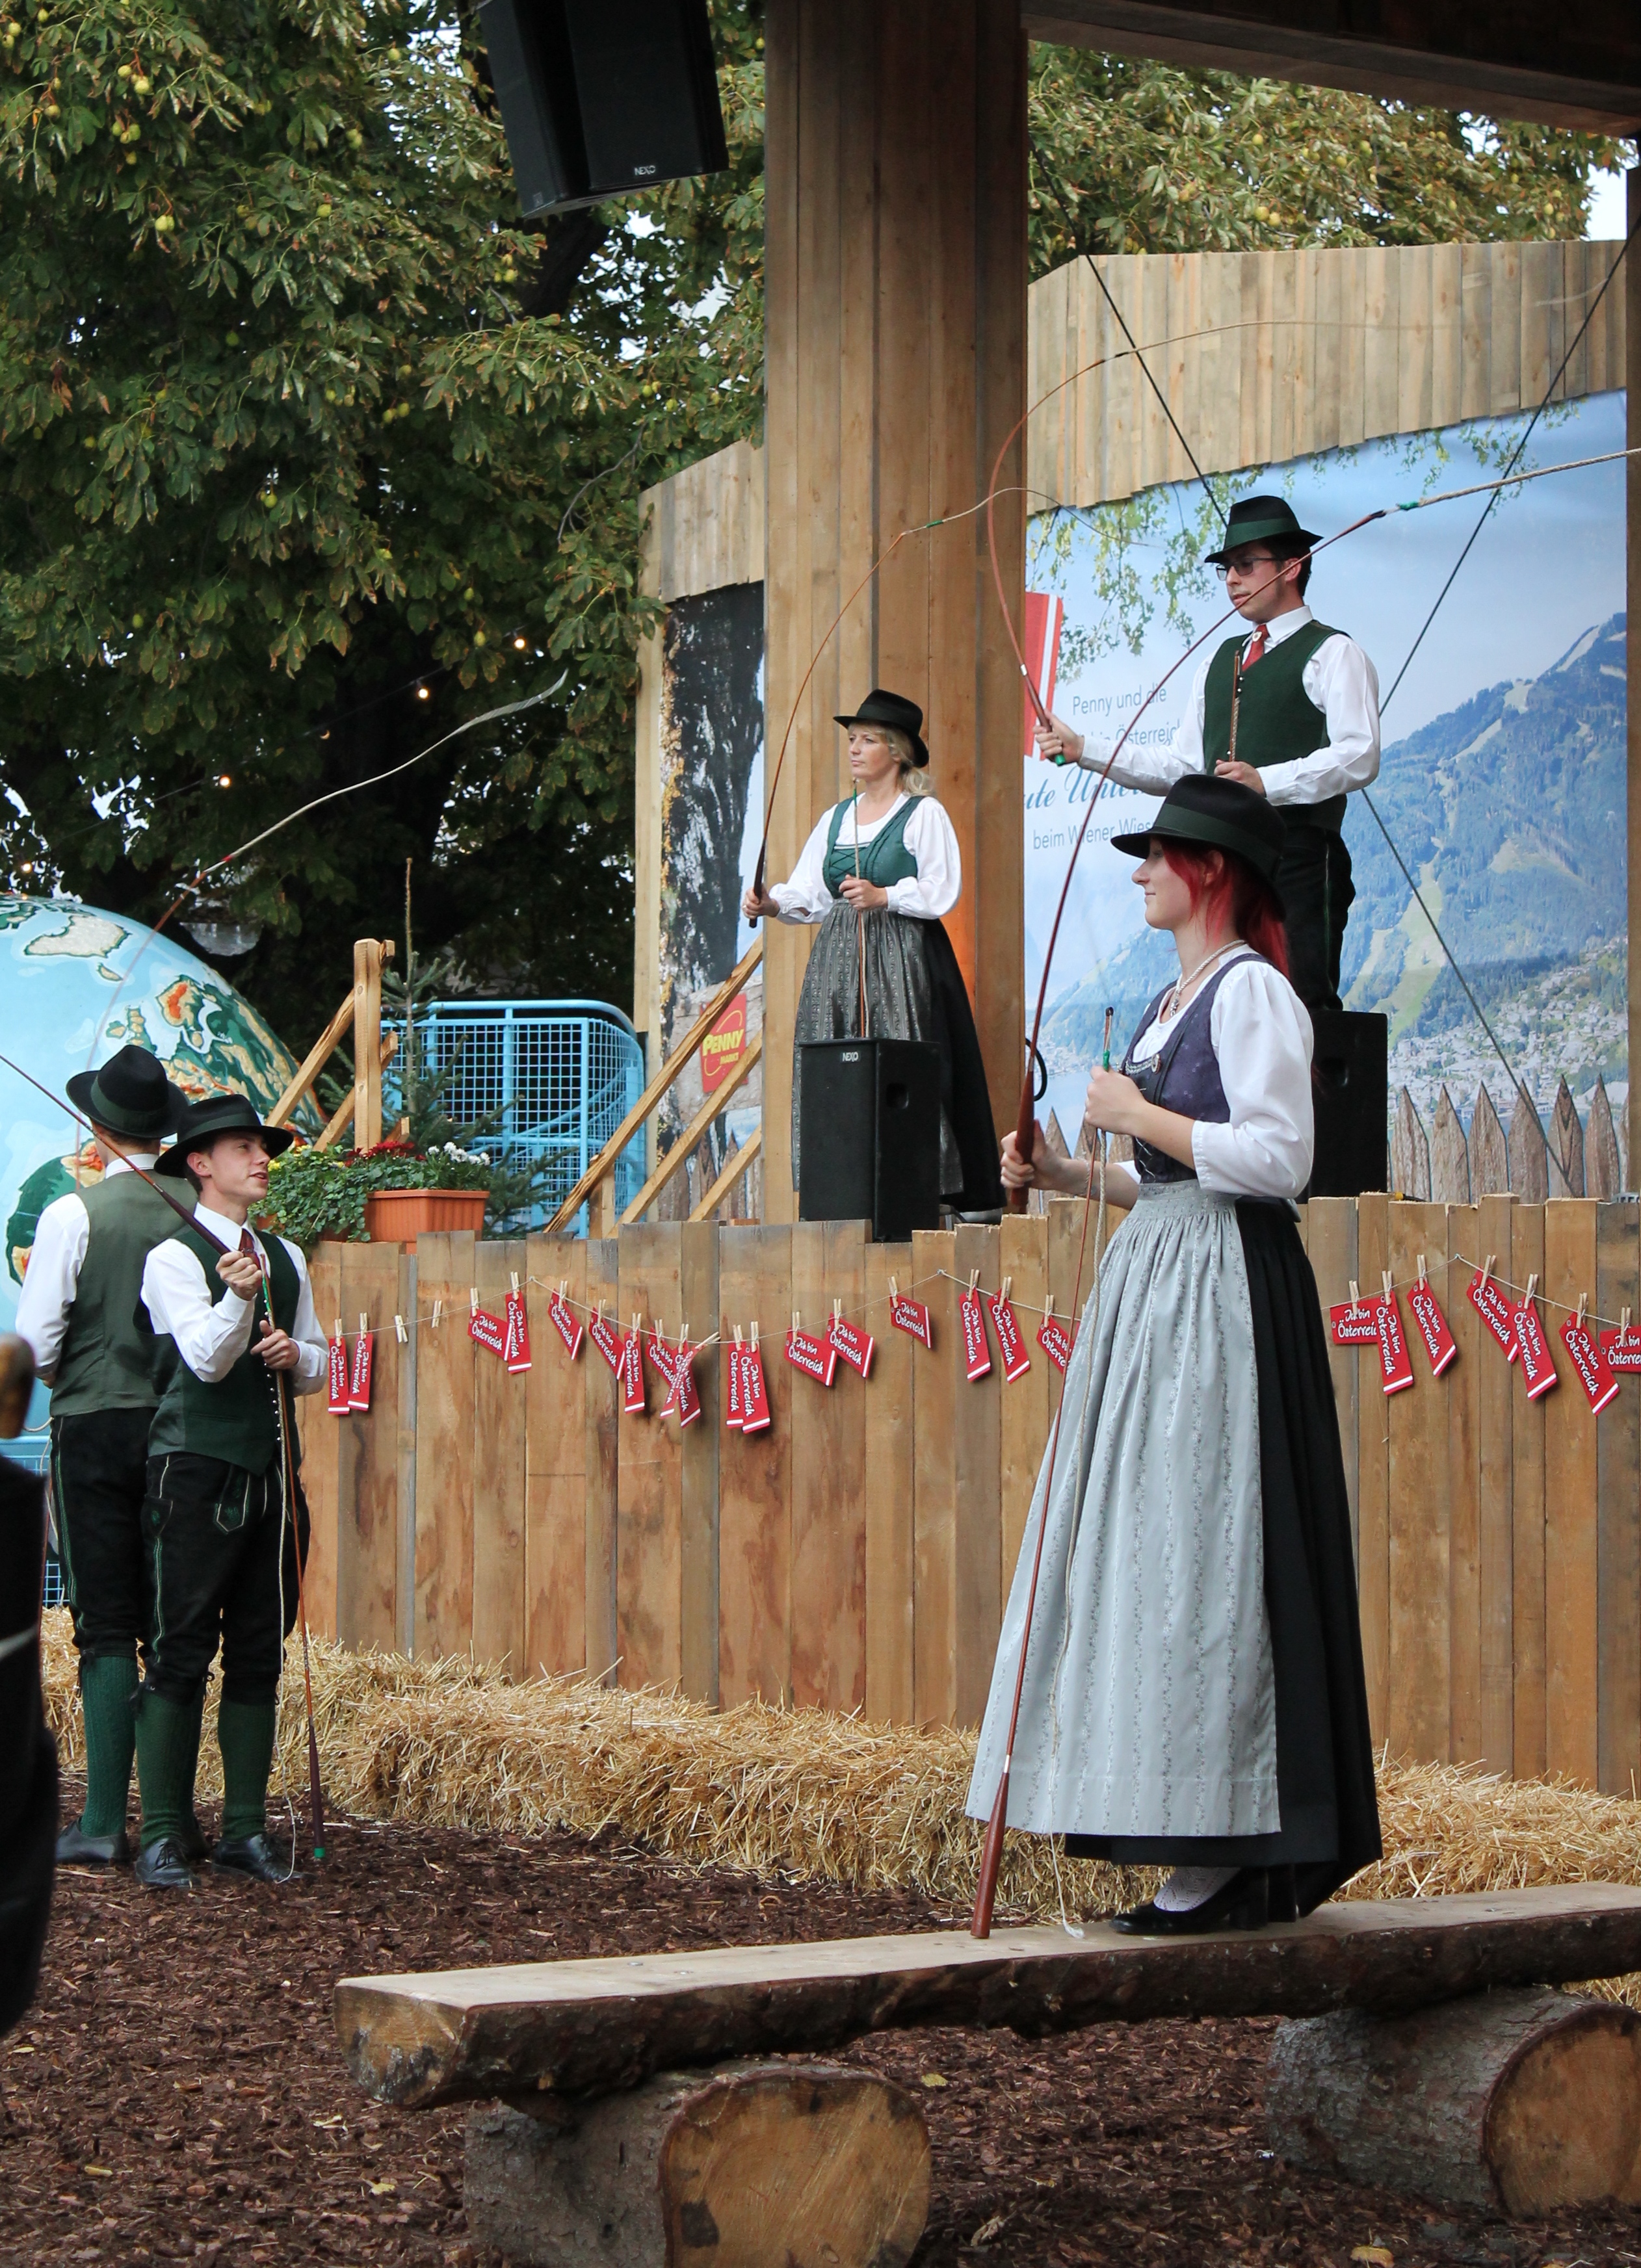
{"x": 1291, "y": 710}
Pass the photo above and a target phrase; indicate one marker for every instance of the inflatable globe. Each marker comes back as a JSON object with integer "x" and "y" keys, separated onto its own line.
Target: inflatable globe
{"x": 80, "y": 985}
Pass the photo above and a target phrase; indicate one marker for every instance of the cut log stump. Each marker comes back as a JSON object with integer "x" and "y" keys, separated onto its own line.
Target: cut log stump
{"x": 1527, "y": 2100}
{"x": 807, "y": 2164}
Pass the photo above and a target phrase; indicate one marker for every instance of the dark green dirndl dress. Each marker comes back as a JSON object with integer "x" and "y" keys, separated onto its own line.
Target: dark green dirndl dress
{"x": 915, "y": 991}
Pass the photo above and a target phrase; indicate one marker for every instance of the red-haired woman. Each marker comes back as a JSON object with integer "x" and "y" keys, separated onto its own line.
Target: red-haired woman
{"x": 1194, "y": 1694}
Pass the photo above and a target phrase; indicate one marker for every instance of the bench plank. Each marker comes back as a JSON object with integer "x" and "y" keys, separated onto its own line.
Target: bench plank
{"x": 591, "y": 2027}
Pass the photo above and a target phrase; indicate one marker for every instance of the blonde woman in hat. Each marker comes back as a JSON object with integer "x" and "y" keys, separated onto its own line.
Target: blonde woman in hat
{"x": 1305, "y": 700}
{"x": 889, "y": 852}
{"x": 1194, "y": 1693}
{"x": 78, "y": 1311}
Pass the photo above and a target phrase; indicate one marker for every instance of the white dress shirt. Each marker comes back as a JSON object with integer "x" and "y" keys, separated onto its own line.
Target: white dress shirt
{"x": 210, "y": 1338}
{"x": 53, "y": 1274}
{"x": 1338, "y": 678}
{"x": 1262, "y": 1036}
{"x": 930, "y": 838}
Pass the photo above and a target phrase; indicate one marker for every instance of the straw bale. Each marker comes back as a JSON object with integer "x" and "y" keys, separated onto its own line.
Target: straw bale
{"x": 807, "y": 1796}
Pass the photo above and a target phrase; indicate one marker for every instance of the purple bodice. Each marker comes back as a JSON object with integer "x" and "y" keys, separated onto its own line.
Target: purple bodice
{"x": 1183, "y": 1075}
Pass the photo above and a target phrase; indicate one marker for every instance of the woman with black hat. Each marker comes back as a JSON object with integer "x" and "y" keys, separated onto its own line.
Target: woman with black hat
{"x": 878, "y": 874}
{"x": 1193, "y": 1696}
{"x": 78, "y": 1311}
{"x": 224, "y": 1518}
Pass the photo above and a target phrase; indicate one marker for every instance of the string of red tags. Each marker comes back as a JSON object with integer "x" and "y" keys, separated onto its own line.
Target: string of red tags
{"x": 350, "y": 1380}
{"x": 1514, "y": 1326}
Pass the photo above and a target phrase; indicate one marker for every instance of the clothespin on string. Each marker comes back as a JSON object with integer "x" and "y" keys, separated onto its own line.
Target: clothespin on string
{"x": 1421, "y": 1271}
{"x": 1356, "y": 1296}
{"x": 438, "y": 1309}
{"x": 400, "y": 1331}
{"x": 1385, "y": 1279}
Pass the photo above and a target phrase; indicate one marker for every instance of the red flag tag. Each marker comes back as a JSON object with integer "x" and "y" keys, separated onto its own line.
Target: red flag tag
{"x": 734, "y": 1406}
{"x": 1495, "y": 1311}
{"x": 855, "y": 1346}
{"x": 661, "y": 1356}
{"x": 1621, "y": 1350}
{"x": 1433, "y": 1327}
{"x": 1055, "y": 1341}
{"x": 608, "y": 1340}
{"x": 1010, "y": 1338}
{"x": 976, "y": 1354}
{"x": 1538, "y": 1367}
{"x": 631, "y": 1376}
{"x": 815, "y": 1357}
{"x": 516, "y": 1352}
{"x": 1355, "y": 1324}
{"x": 684, "y": 1398}
{"x": 566, "y": 1322}
{"x": 755, "y": 1398}
{"x": 912, "y": 1317}
{"x": 338, "y": 1404}
{"x": 359, "y": 1377}
{"x": 1394, "y": 1360}
{"x": 1589, "y": 1360}
{"x": 488, "y": 1329}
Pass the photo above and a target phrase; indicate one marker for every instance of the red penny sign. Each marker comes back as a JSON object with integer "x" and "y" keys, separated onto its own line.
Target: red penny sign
{"x": 723, "y": 1045}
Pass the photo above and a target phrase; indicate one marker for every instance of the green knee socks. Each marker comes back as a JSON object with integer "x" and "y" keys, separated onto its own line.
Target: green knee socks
{"x": 245, "y": 1733}
{"x": 168, "y": 1741}
{"x": 188, "y": 1812}
{"x": 107, "y": 1681}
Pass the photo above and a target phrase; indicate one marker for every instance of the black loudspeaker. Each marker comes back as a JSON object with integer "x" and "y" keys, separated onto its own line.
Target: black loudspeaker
{"x": 1350, "y": 1086}
{"x": 599, "y": 97}
{"x": 871, "y": 1147}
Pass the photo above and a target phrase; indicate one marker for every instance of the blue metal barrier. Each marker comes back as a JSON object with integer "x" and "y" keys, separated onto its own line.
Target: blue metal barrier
{"x": 562, "y": 1073}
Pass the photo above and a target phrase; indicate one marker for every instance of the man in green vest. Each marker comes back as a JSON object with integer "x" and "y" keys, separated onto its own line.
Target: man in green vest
{"x": 1291, "y": 710}
{"x": 78, "y": 1310}
{"x": 223, "y": 1517}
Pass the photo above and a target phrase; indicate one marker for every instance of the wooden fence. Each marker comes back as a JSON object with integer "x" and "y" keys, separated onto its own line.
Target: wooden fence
{"x": 855, "y": 1555}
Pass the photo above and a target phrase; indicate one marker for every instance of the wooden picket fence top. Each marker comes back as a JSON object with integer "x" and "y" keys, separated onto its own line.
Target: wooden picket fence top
{"x": 855, "y": 1555}
{"x": 1450, "y": 1168}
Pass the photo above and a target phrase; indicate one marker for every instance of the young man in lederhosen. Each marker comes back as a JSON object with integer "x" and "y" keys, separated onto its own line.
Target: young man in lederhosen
{"x": 223, "y": 1517}
{"x": 78, "y": 1310}
{"x": 1305, "y": 699}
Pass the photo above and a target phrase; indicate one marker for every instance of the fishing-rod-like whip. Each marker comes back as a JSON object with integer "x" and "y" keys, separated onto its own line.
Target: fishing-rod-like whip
{"x": 282, "y": 1386}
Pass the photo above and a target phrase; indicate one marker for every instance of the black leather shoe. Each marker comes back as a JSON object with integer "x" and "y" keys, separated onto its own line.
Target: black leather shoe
{"x": 74, "y": 1849}
{"x": 251, "y": 1854}
{"x": 193, "y": 1841}
{"x": 162, "y": 1866}
{"x": 1242, "y": 1903}
{"x": 1283, "y": 1896}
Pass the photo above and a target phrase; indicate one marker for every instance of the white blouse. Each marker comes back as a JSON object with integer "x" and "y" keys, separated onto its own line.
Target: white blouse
{"x": 1261, "y": 1036}
{"x": 930, "y": 838}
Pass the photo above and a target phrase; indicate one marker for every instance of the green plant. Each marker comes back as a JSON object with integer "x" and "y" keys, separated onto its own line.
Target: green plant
{"x": 313, "y": 1193}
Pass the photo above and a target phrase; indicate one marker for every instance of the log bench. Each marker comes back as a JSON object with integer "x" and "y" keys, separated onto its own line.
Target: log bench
{"x": 636, "y": 2124}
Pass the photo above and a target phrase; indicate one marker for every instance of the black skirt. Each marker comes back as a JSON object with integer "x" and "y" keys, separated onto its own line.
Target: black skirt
{"x": 1326, "y": 1796}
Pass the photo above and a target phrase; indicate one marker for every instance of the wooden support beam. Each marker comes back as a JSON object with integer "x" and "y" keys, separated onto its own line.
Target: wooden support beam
{"x": 368, "y": 953}
{"x": 732, "y": 1174}
{"x": 591, "y": 2027}
{"x": 678, "y": 1156}
{"x": 314, "y": 1062}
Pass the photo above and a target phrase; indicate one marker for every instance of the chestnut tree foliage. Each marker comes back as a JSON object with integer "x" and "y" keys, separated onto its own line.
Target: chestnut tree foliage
{"x": 296, "y": 474}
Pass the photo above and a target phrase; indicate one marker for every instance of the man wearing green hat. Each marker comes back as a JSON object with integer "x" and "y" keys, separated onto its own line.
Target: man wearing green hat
{"x": 78, "y": 1311}
{"x": 1289, "y": 709}
{"x": 223, "y": 1517}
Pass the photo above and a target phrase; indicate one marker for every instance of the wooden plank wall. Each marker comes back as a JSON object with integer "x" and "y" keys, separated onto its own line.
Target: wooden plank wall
{"x": 856, "y": 1555}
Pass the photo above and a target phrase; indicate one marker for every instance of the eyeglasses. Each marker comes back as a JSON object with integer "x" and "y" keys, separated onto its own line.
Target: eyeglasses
{"x": 1244, "y": 566}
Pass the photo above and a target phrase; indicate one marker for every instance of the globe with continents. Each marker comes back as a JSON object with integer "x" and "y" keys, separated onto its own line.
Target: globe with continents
{"x": 79, "y": 985}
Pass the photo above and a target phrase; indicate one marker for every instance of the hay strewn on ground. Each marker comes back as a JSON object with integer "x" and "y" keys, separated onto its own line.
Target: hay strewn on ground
{"x": 801, "y": 1794}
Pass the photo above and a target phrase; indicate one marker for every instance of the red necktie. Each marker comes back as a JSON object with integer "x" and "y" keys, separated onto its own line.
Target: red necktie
{"x": 1256, "y": 646}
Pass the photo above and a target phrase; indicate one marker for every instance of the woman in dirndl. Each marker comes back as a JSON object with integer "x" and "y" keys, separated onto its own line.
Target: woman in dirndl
{"x": 877, "y": 874}
{"x": 1193, "y": 1696}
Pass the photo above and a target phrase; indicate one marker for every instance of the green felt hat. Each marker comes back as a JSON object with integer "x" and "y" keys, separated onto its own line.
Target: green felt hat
{"x": 1260, "y": 519}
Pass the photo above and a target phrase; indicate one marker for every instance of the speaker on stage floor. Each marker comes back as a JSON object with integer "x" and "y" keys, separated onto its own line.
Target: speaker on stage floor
{"x": 1351, "y": 1088}
{"x": 600, "y": 96}
{"x": 870, "y": 1134}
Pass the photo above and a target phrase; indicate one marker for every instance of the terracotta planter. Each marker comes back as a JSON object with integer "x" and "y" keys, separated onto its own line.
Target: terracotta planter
{"x": 400, "y": 1216}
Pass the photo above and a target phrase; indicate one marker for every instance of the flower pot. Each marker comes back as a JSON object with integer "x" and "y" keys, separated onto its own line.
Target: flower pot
{"x": 400, "y": 1216}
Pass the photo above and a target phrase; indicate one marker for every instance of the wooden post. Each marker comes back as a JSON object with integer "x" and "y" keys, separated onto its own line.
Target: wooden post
{"x": 368, "y": 956}
{"x": 896, "y": 265}
{"x": 1633, "y": 580}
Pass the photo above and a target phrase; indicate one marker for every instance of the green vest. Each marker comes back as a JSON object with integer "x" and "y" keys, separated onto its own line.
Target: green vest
{"x": 885, "y": 859}
{"x": 108, "y": 1356}
{"x": 1277, "y": 722}
{"x": 238, "y": 1418}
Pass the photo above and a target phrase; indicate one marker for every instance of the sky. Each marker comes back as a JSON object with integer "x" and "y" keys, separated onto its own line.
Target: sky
{"x": 1607, "y": 208}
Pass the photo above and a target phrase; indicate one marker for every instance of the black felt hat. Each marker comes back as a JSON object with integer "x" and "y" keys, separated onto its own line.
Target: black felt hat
{"x": 129, "y": 1095}
{"x": 1260, "y": 519}
{"x": 1217, "y": 814}
{"x": 199, "y": 1125}
{"x": 894, "y": 710}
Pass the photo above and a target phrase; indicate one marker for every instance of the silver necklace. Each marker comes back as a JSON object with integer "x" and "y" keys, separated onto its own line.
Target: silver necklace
{"x": 1235, "y": 945}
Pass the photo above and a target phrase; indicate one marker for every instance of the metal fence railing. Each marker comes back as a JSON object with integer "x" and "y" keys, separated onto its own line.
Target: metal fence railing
{"x": 563, "y": 1074}
{"x": 33, "y": 1451}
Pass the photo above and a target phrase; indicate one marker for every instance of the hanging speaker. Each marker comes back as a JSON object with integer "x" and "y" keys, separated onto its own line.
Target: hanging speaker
{"x": 601, "y": 96}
